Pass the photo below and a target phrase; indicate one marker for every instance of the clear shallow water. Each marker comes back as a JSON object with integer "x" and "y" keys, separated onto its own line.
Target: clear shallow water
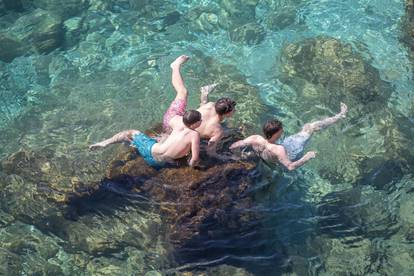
{"x": 347, "y": 212}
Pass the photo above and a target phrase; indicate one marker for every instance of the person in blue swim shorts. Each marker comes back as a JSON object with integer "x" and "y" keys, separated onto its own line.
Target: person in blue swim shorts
{"x": 290, "y": 152}
{"x": 177, "y": 145}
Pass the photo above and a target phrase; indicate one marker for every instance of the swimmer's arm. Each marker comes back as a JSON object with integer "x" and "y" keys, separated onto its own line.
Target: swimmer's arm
{"x": 239, "y": 144}
{"x": 249, "y": 141}
{"x": 284, "y": 159}
{"x": 212, "y": 146}
{"x": 195, "y": 150}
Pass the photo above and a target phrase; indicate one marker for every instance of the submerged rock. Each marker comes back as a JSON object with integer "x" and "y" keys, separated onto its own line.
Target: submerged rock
{"x": 12, "y": 264}
{"x": 237, "y": 13}
{"x": 221, "y": 270}
{"x": 250, "y": 34}
{"x": 337, "y": 68}
{"x": 73, "y": 28}
{"x": 327, "y": 71}
{"x": 11, "y": 5}
{"x": 36, "y": 32}
{"x": 408, "y": 28}
{"x": 63, "y": 8}
{"x": 196, "y": 203}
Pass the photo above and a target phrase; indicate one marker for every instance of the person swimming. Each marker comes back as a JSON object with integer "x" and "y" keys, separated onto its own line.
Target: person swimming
{"x": 290, "y": 151}
{"x": 177, "y": 145}
{"x": 212, "y": 113}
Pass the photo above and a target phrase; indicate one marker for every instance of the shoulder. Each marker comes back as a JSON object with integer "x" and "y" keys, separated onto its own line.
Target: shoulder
{"x": 193, "y": 134}
{"x": 277, "y": 149}
{"x": 206, "y": 107}
{"x": 255, "y": 137}
{"x": 210, "y": 104}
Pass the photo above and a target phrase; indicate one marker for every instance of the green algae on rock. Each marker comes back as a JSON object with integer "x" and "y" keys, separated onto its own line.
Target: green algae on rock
{"x": 189, "y": 197}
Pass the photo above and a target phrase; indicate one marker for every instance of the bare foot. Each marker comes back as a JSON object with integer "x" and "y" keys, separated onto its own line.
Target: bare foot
{"x": 205, "y": 90}
{"x": 178, "y": 61}
{"x": 344, "y": 110}
{"x": 96, "y": 146}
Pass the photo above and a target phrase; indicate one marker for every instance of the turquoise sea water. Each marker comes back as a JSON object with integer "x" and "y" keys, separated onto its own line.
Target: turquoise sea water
{"x": 75, "y": 72}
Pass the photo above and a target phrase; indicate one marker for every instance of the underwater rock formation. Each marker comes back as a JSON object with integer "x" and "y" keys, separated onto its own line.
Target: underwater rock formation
{"x": 11, "y": 5}
{"x": 328, "y": 71}
{"x": 408, "y": 28}
{"x": 353, "y": 223}
{"x": 238, "y": 12}
{"x": 198, "y": 205}
{"x": 36, "y": 32}
{"x": 250, "y": 34}
{"x": 63, "y": 8}
{"x": 335, "y": 66}
{"x": 221, "y": 270}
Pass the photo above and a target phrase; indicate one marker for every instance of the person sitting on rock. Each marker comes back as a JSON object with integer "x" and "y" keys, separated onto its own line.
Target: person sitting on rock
{"x": 212, "y": 113}
{"x": 177, "y": 145}
{"x": 290, "y": 152}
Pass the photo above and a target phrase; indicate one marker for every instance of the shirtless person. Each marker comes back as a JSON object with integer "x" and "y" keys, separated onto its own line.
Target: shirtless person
{"x": 178, "y": 144}
{"x": 289, "y": 152}
{"x": 212, "y": 113}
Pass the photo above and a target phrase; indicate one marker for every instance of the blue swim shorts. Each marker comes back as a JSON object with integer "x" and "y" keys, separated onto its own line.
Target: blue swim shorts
{"x": 295, "y": 145}
{"x": 144, "y": 144}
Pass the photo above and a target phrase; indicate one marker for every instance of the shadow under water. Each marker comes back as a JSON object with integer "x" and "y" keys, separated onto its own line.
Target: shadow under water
{"x": 209, "y": 213}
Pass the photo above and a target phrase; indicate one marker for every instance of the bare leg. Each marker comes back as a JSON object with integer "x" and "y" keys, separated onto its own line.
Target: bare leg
{"x": 177, "y": 80}
{"x": 124, "y": 136}
{"x": 205, "y": 90}
{"x": 318, "y": 125}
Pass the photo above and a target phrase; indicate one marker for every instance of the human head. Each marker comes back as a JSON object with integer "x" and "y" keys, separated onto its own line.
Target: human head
{"x": 225, "y": 106}
{"x": 192, "y": 119}
{"x": 271, "y": 127}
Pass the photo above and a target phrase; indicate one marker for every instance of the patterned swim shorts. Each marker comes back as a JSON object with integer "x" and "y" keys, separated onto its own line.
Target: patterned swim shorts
{"x": 177, "y": 107}
{"x": 295, "y": 145}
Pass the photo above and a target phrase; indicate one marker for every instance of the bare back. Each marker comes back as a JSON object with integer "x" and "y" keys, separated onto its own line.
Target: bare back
{"x": 210, "y": 126}
{"x": 178, "y": 144}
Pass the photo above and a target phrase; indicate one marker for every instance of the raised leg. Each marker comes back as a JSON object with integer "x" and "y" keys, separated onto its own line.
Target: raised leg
{"x": 318, "y": 125}
{"x": 124, "y": 136}
{"x": 205, "y": 90}
{"x": 177, "y": 80}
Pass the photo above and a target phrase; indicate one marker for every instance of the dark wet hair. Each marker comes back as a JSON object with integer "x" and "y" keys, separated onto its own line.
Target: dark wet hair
{"x": 191, "y": 117}
{"x": 224, "y": 105}
{"x": 271, "y": 127}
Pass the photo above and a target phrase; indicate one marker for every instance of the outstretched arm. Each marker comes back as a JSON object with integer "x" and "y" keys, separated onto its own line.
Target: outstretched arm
{"x": 249, "y": 141}
{"x": 284, "y": 159}
{"x": 212, "y": 147}
{"x": 239, "y": 144}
